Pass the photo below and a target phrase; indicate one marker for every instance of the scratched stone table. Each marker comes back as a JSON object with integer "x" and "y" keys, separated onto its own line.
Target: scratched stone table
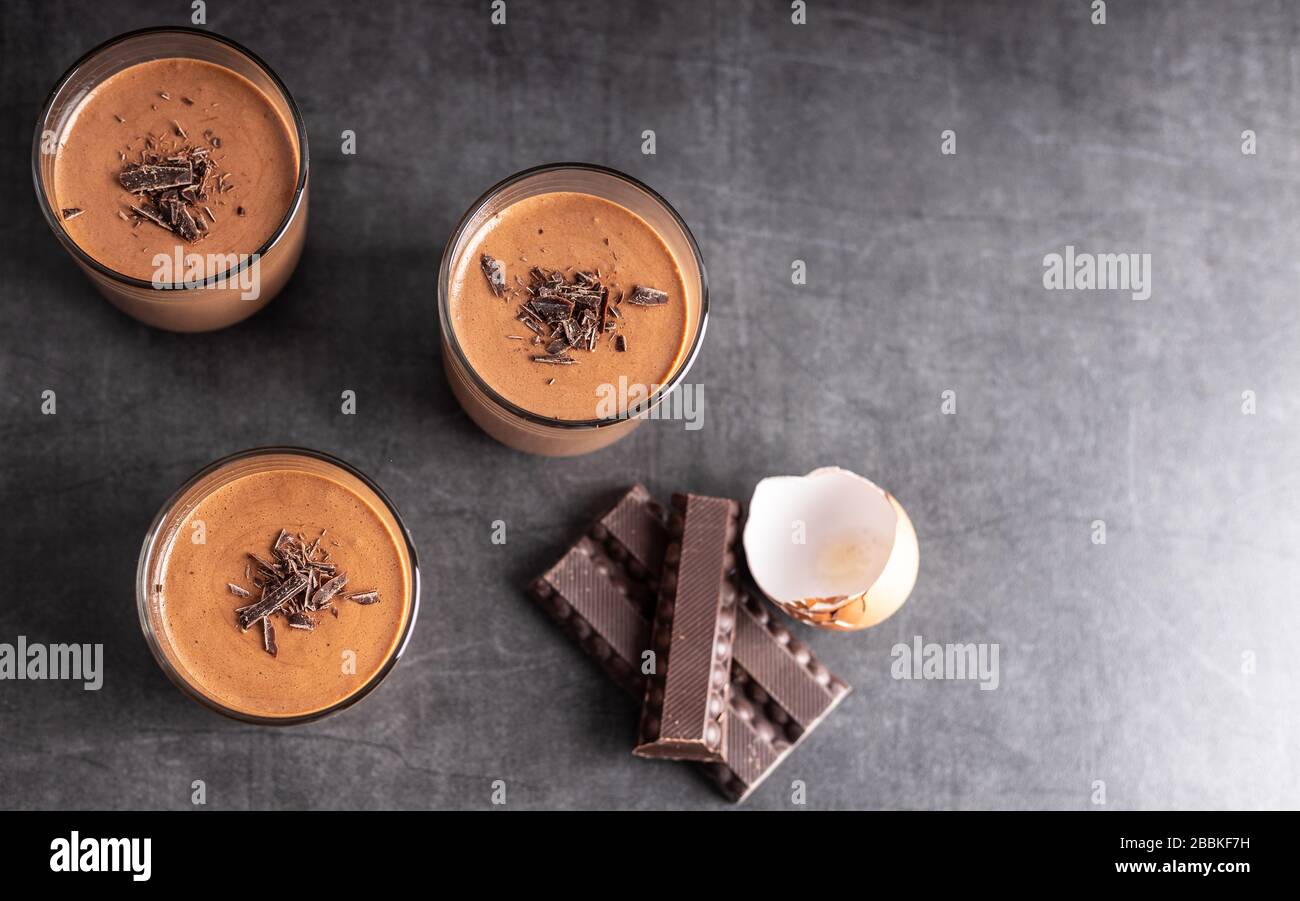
{"x": 1157, "y": 669}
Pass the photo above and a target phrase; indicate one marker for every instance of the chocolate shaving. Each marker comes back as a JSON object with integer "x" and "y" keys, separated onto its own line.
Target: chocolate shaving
{"x": 365, "y": 597}
{"x": 139, "y": 178}
{"x": 328, "y": 590}
{"x": 297, "y": 581}
{"x": 71, "y": 213}
{"x": 568, "y": 309}
{"x": 271, "y": 602}
{"x": 152, "y": 213}
{"x": 173, "y": 184}
{"x": 496, "y": 274}
{"x": 553, "y": 311}
{"x": 647, "y": 297}
{"x": 183, "y": 223}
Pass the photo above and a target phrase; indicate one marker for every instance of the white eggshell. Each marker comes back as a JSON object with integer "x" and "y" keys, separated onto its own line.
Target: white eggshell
{"x": 831, "y": 548}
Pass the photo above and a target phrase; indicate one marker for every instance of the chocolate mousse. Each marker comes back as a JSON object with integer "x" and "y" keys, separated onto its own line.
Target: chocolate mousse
{"x": 279, "y": 587}
{"x": 173, "y": 153}
{"x": 560, "y": 297}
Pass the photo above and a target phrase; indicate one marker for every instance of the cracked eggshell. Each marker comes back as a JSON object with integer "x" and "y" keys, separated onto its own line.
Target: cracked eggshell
{"x": 831, "y": 548}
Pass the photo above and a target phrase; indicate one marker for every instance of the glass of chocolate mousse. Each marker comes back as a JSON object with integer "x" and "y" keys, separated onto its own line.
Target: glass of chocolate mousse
{"x": 573, "y": 300}
{"x": 278, "y": 586}
{"x": 171, "y": 164}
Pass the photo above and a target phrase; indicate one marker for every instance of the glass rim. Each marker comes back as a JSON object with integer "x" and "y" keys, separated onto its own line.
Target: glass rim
{"x": 56, "y": 224}
{"x": 449, "y": 334}
{"x": 149, "y": 547}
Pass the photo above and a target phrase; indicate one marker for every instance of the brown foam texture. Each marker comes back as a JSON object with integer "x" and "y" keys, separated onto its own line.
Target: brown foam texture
{"x": 602, "y": 593}
{"x": 683, "y": 715}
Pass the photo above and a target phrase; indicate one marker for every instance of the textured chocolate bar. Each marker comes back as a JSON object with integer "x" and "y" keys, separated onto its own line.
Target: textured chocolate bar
{"x": 779, "y": 693}
{"x": 590, "y": 596}
{"x": 602, "y": 593}
{"x": 683, "y": 713}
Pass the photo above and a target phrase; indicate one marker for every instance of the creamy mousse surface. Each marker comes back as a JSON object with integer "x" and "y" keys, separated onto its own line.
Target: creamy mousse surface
{"x": 569, "y": 233}
{"x": 196, "y": 613}
{"x": 137, "y": 111}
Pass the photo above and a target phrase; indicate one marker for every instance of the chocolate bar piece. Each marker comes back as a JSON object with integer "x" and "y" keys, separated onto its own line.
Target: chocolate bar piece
{"x": 141, "y": 179}
{"x": 593, "y": 599}
{"x": 683, "y": 714}
{"x": 779, "y": 693}
{"x": 602, "y": 592}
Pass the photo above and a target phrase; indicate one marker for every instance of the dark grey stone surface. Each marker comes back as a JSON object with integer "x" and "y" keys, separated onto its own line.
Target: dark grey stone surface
{"x": 1121, "y": 663}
